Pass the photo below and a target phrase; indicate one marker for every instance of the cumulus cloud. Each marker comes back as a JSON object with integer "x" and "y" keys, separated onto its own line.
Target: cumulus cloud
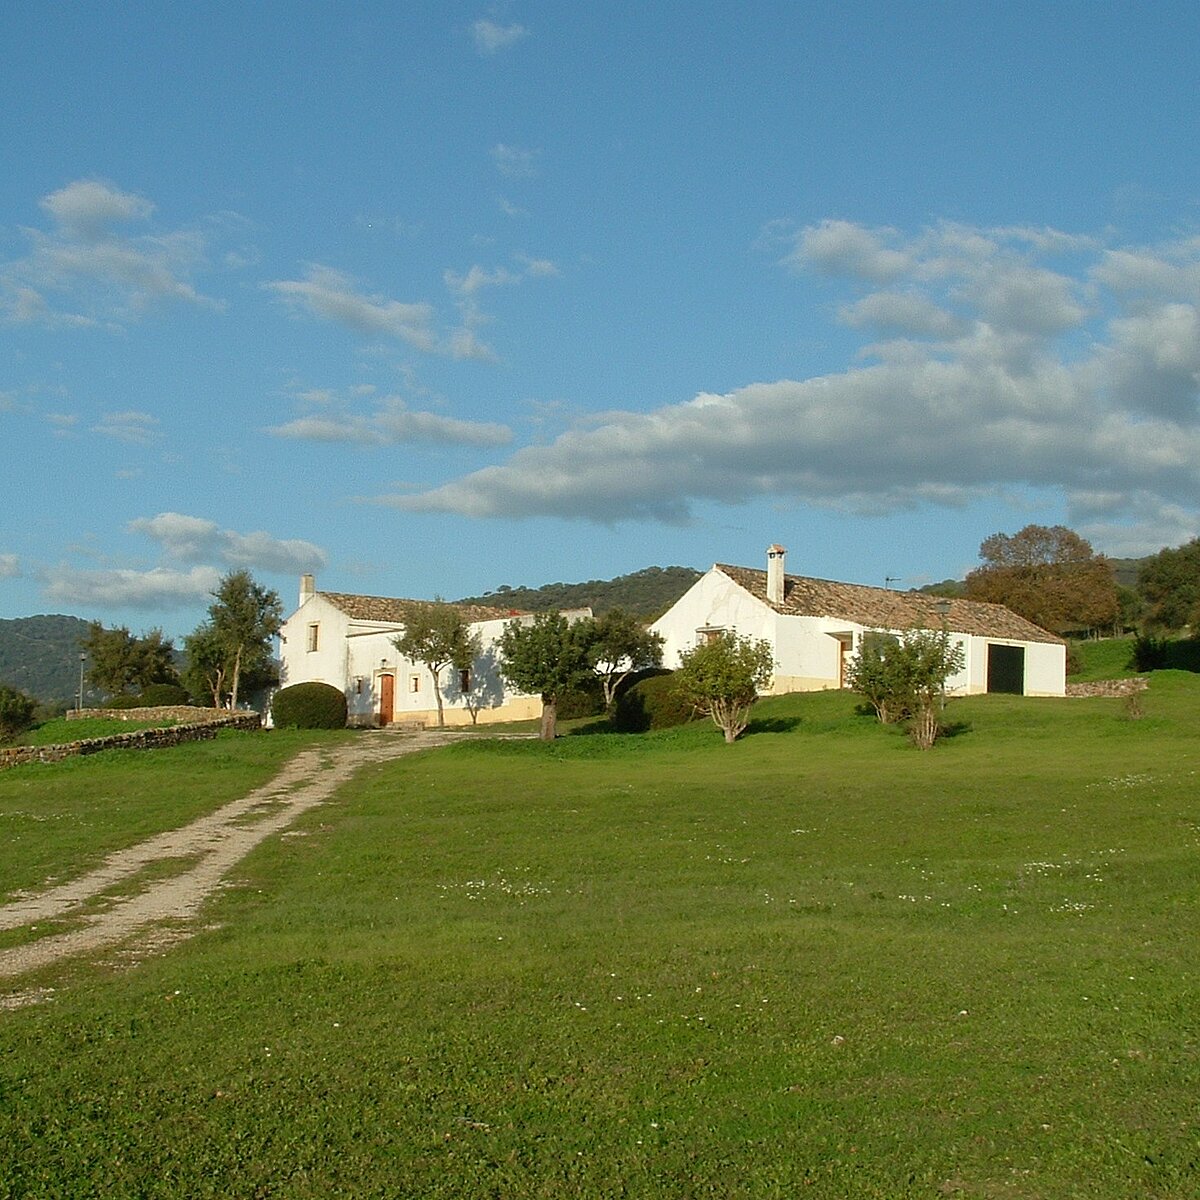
{"x": 198, "y": 540}
{"x": 156, "y": 589}
{"x": 491, "y": 38}
{"x": 89, "y": 270}
{"x": 1003, "y": 370}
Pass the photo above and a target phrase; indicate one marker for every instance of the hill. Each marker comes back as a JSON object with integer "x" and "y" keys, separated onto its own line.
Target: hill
{"x": 40, "y": 655}
{"x": 647, "y": 593}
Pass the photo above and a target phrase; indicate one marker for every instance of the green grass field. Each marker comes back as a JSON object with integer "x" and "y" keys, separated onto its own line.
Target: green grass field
{"x": 818, "y": 963}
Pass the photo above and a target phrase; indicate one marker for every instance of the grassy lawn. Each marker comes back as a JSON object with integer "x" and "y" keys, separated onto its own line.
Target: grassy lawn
{"x": 52, "y": 733}
{"x": 815, "y": 963}
{"x": 59, "y": 819}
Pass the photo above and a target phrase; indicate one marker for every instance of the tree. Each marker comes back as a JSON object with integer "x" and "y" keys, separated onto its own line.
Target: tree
{"x": 437, "y": 636}
{"x": 548, "y": 656}
{"x": 204, "y": 672}
{"x": 234, "y": 645}
{"x": 621, "y": 644}
{"x": 723, "y": 677}
{"x": 904, "y": 678}
{"x": 16, "y": 712}
{"x": 119, "y": 663}
{"x": 1169, "y": 583}
{"x": 1049, "y": 575}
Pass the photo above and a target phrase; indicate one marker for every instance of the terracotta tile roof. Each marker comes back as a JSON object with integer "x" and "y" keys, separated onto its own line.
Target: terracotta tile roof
{"x": 386, "y": 609}
{"x": 880, "y": 608}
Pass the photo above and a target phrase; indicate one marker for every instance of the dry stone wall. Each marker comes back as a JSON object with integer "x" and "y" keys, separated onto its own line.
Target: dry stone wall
{"x": 136, "y": 739}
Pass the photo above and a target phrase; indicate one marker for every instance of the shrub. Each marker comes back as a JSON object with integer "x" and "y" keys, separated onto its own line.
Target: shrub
{"x": 587, "y": 700}
{"x": 164, "y": 695}
{"x": 16, "y": 712}
{"x": 123, "y": 701}
{"x": 652, "y": 703}
{"x": 1150, "y": 653}
{"x": 309, "y": 706}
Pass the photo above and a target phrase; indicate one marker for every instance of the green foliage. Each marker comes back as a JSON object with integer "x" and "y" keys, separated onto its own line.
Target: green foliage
{"x": 232, "y": 649}
{"x": 119, "y": 663}
{"x": 1153, "y": 653}
{"x": 1049, "y": 575}
{"x": 309, "y": 706}
{"x": 1169, "y": 585}
{"x": 904, "y": 678}
{"x": 652, "y": 703}
{"x": 722, "y": 678}
{"x": 164, "y": 695}
{"x": 646, "y": 594}
{"x": 122, "y": 702}
{"x": 16, "y": 712}
{"x": 621, "y": 645}
{"x": 437, "y": 636}
{"x": 547, "y": 656}
{"x": 586, "y": 700}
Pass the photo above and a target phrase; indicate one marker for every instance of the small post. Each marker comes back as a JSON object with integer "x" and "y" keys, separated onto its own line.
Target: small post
{"x": 82, "y": 660}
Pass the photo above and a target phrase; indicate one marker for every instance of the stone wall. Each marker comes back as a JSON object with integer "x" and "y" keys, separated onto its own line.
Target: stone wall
{"x": 184, "y": 714}
{"x": 137, "y": 739}
{"x": 1109, "y": 687}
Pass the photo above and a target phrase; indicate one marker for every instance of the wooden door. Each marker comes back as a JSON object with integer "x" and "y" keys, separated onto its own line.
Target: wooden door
{"x": 387, "y": 698}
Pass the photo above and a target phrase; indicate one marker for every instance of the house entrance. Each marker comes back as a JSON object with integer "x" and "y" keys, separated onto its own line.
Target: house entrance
{"x": 1006, "y": 669}
{"x": 387, "y": 698}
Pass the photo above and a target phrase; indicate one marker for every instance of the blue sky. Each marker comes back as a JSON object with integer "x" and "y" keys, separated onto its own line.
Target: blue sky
{"x": 432, "y": 298}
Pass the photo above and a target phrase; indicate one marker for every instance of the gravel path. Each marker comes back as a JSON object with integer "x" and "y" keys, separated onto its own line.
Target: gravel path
{"x": 208, "y": 849}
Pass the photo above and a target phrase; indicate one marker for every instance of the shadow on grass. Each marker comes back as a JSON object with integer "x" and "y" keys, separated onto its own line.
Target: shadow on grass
{"x": 953, "y": 729}
{"x": 774, "y": 725}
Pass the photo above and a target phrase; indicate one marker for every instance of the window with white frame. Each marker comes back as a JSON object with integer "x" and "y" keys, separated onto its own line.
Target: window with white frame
{"x": 314, "y": 637}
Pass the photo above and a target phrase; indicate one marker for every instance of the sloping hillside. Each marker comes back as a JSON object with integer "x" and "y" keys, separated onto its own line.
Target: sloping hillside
{"x": 40, "y": 655}
{"x": 647, "y": 593}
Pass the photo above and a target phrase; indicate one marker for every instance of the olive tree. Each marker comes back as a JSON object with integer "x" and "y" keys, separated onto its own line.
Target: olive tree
{"x": 548, "y": 656}
{"x": 621, "y": 644}
{"x": 723, "y": 677}
{"x": 437, "y": 636}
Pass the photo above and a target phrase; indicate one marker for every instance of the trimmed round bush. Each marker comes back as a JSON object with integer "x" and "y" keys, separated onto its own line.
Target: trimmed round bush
{"x": 163, "y": 695}
{"x": 123, "y": 701}
{"x": 309, "y": 706}
{"x": 652, "y": 703}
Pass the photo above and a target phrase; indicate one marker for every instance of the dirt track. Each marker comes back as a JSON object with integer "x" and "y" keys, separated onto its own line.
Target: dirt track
{"x": 159, "y": 912}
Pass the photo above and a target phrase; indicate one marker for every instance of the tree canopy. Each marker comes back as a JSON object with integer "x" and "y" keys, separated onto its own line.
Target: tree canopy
{"x": 1049, "y": 575}
{"x": 233, "y": 647}
{"x": 119, "y": 663}
{"x": 548, "y": 656}
{"x": 438, "y": 636}
{"x": 620, "y": 645}
{"x": 1169, "y": 584}
{"x": 723, "y": 678}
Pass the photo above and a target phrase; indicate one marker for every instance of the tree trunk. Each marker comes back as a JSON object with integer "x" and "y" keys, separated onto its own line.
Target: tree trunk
{"x": 549, "y": 718}
{"x": 237, "y": 671}
{"x": 437, "y": 695}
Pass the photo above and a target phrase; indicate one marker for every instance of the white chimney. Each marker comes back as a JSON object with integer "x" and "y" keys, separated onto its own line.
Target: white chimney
{"x": 775, "y": 573}
{"x": 308, "y": 588}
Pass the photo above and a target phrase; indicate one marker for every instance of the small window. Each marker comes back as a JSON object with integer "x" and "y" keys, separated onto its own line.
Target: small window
{"x": 414, "y": 683}
{"x": 314, "y": 637}
{"x": 464, "y": 680}
{"x": 708, "y": 634}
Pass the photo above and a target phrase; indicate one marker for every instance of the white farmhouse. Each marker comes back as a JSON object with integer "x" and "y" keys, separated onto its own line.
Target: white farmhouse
{"x": 815, "y": 626}
{"x": 346, "y": 641}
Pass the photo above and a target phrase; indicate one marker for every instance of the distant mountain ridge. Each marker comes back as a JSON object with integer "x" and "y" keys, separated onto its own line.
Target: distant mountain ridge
{"x": 40, "y": 655}
{"x": 647, "y": 593}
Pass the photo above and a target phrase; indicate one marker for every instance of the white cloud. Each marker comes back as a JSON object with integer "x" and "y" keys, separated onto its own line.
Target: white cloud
{"x": 197, "y": 540}
{"x": 134, "y": 428}
{"x": 330, "y": 294}
{"x": 10, "y": 566}
{"x": 89, "y": 271}
{"x": 490, "y": 38}
{"x": 1005, "y": 374}
{"x": 516, "y": 162}
{"x": 160, "y": 588}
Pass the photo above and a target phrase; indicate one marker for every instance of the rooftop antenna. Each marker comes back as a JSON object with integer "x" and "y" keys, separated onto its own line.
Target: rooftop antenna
{"x": 888, "y": 580}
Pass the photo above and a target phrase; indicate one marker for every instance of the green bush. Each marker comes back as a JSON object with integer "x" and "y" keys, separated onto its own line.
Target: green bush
{"x": 309, "y": 706}
{"x": 652, "y": 703}
{"x": 161, "y": 695}
{"x": 16, "y": 712}
{"x": 587, "y": 700}
{"x": 122, "y": 701}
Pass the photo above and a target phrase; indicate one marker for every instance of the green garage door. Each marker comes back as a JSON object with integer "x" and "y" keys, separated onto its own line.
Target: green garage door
{"x": 1006, "y": 669}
